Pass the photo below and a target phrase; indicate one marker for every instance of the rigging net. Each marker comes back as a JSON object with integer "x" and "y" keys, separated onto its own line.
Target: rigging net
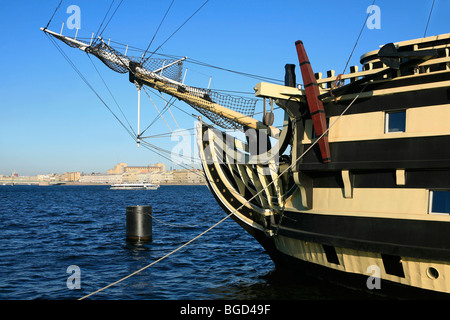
{"x": 167, "y": 69}
{"x": 170, "y": 70}
{"x": 245, "y": 106}
{"x": 115, "y": 60}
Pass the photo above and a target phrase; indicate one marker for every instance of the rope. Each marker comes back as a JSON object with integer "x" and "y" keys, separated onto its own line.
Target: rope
{"x": 176, "y": 30}
{"x": 104, "y": 18}
{"x": 110, "y": 18}
{"x": 148, "y": 47}
{"x": 429, "y": 16}
{"x": 112, "y": 96}
{"x": 51, "y": 18}
{"x": 160, "y": 114}
{"x": 190, "y": 158}
{"x": 360, "y": 32}
{"x": 168, "y": 105}
{"x": 197, "y": 62}
{"x": 88, "y": 84}
{"x": 249, "y": 75}
{"x": 234, "y": 211}
{"x": 160, "y": 259}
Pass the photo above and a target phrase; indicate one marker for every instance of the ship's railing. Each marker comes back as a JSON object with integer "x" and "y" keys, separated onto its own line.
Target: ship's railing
{"x": 442, "y": 63}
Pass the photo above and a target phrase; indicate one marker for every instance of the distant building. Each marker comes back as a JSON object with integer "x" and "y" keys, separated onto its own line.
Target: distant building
{"x": 162, "y": 177}
{"x": 70, "y": 176}
{"x": 101, "y": 178}
{"x": 118, "y": 169}
{"x": 179, "y": 176}
{"x": 196, "y": 176}
{"x": 193, "y": 176}
{"x": 47, "y": 177}
{"x": 124, "y": 168}
{"x": 146, "y": 169}
{"x": 121, "y": 173}
{"x": 137, "y": 177}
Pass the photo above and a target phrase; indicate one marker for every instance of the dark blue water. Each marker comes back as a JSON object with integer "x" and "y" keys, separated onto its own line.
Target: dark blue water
{"x": 44, "y": 230}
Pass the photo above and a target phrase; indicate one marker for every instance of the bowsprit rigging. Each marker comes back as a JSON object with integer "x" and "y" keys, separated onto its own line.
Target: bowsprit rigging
{"x": 164, "y": 75}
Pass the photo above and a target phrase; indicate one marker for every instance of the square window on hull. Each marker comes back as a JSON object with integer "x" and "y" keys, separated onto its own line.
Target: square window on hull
{"x": 395, "y": 121}
{"x": 393, "y": 265}
{"x": 330, "y": 253}
{"x": 439, "y": 202}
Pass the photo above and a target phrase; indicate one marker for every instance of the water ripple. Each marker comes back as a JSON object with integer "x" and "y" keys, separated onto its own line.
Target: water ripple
{"x": 47, "y": 229}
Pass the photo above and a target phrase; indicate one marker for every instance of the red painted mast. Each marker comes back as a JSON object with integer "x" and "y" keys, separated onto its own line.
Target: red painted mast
{"x": 314, "y": 103}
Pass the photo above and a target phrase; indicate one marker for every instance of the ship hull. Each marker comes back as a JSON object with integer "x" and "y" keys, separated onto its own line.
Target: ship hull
{"x": 396, "y": 268}
{"x": 372, "y": 202}
{"x": 387, "y": 256}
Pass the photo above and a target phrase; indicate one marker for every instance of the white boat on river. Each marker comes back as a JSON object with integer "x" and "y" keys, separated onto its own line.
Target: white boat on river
{"x": 134, "y": 186}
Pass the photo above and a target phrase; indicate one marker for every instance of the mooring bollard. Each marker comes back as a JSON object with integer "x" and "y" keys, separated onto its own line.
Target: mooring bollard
{"x": 139, "y": 223}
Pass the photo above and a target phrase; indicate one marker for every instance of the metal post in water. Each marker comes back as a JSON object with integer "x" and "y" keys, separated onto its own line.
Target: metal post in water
{"x": 139, "y": 223}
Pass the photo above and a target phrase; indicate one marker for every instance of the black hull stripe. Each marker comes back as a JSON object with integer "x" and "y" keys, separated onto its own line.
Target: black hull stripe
{"x": 423, "y": 79}
{"x": 408, "y": 238}
{"x": 430, "y": 97}
{"x": 423, "y": 179}
{"x": 389, "y": 84}
{"x": 406, "y": 153}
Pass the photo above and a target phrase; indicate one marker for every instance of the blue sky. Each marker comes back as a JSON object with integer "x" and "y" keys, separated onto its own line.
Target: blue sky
{"x": 50, "y": 121}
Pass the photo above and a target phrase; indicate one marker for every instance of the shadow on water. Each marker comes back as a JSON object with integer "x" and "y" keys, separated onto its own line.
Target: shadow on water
{"x": 287, "y": 285}
{"x": 282, "y": 285}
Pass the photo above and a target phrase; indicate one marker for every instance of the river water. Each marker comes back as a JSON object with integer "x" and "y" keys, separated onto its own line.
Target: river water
{"x": 66, "y": 242}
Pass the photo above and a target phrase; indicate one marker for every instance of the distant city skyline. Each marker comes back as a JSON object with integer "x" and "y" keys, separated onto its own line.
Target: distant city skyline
{"x": 121, "y": 173}
{"x": 103, "y": 171}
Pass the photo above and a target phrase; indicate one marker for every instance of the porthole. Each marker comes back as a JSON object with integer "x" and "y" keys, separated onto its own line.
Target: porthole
{"x": 432, "y": 273}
